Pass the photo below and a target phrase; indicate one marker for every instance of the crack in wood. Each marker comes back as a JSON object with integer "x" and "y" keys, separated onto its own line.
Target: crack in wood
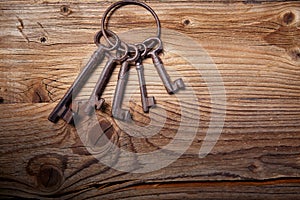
{"x": 227, "y": 183}
{"x": 20, "y": 28}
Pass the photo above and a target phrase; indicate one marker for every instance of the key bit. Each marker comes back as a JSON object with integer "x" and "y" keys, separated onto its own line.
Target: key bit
{"x": 93, "y": 103}
{"x": 73, "y": 110}
{"x": 68, "y": 116}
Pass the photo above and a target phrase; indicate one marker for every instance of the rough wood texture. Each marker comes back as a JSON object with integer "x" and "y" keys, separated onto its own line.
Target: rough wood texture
{"x": 255, "y": 45}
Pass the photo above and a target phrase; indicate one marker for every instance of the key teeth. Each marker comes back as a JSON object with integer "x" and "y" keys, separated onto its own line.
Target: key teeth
{"x": 65, "y": 113}
{"x": 127, "y": 115}
{"x": 68, "y": 117}
{"x": 177, "y": 85}
{"x": 88, "y": 110}
{"x": 151, "y": 101}
{"x": 180, "y": 84}
{"x": 123, "y": 115}
{"x": 97, "y": 104}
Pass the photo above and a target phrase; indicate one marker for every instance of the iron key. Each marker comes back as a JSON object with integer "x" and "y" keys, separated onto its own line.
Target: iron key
{"x": 147, "y": 102}
{"x": 117, "y": 111}
{"x": 170, "y": 86}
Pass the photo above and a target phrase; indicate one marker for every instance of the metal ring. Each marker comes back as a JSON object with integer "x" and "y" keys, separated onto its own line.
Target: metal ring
{"x": 125, "y": 55}
{"x": 136, "y": 55}
{"x": 117, "y": 44}
{"x": 143, "y": 49}
{"x": 128, "y": 2}
{"x": 98, "y": 36}
{"x": 152, "y": 39}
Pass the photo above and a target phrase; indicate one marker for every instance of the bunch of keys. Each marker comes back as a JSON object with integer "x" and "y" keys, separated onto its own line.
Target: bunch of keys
{"x": 126, "y": 55}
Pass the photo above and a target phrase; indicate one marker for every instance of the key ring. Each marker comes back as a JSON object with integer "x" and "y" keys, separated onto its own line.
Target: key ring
{"x": 98, "y": 36}
{"x": 128, "y": 2}
{"x": 117, "y": 44}
{"x": 142, "y": 48}
{"x": 152, "y": 39}
{"x": 136, "y": 53}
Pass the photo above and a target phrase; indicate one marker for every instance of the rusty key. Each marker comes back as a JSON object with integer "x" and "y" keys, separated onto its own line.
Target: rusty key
{"x": 147, "y": 102}
{"x": 117, "y": 111}
{"x": 95, "y": 101}
{"x": 63, "y": 108}
{"x": 170, "y": 86}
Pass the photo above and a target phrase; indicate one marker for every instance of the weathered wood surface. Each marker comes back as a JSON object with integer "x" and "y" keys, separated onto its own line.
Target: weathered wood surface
{"x": 256, "y": 48}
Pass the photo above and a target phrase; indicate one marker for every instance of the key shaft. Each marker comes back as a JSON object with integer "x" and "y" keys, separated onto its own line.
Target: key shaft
{"x": 147, "y": 102}
{"x": 117, "y": 111}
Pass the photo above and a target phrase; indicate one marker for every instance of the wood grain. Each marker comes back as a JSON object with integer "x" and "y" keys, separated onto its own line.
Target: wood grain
{"x": 256, "y": 48}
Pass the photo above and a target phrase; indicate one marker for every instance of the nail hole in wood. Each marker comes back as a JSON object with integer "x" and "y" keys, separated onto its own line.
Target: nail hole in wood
{"x": 43, "y": 39}
{"x": 186, "y": 22}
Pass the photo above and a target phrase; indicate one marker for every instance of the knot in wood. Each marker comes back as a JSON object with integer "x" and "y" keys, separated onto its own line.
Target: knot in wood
{"x": 294, "y": 53}
{"x": 49, "y": 178}
{"x": 65, "y": 10}
{"x": 288, "y": 18}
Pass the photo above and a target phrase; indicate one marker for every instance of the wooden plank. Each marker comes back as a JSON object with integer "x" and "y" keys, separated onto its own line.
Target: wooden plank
{"x": 255, "y": 47}
{"x": 268, "y": 156}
